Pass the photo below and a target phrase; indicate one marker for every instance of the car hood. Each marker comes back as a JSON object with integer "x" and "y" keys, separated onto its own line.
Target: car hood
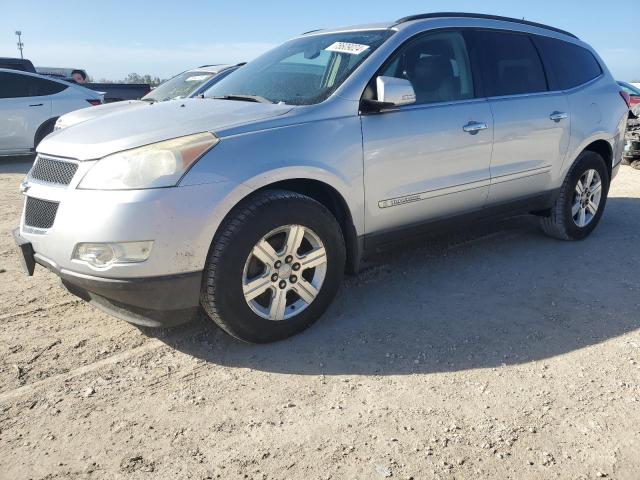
{"x": 133, "y": 127}
{"x": 84, "y": 114}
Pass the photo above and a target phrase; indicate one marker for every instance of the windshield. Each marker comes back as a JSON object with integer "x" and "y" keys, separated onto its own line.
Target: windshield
{"x": 303, "y": 71}
{"x": 180, "y": 86}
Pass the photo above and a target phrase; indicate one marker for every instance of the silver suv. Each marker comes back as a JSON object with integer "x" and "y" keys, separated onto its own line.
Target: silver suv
{"x": 252, "y": 202}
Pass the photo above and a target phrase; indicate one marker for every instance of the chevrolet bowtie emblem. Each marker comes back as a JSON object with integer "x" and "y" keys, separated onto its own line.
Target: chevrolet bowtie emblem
{"x": 25, "y": 186}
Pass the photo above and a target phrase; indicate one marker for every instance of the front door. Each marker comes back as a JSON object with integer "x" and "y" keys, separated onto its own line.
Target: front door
{"x": 430, "y": 159}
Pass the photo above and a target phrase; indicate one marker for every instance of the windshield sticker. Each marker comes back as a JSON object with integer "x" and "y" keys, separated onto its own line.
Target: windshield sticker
{"x": 346, "y": 47}
{"x": 197, "y": 78}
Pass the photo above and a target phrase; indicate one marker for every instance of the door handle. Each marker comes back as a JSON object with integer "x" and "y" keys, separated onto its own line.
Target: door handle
{"x": 474, "y": 127}
{"x": 36, "y": 104}
{"x": 557, "y": 116}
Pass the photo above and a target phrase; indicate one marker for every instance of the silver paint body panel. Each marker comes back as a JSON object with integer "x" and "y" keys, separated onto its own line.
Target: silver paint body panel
{"x": 392, "y": 169}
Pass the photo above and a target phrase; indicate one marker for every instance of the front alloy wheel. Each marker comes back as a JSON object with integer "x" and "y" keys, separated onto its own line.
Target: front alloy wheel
{"x": 284, "y": 272}
{"x": 274, "y": 267}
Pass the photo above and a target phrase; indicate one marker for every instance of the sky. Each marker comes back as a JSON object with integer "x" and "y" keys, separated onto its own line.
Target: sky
{"x": 113, "y": 38}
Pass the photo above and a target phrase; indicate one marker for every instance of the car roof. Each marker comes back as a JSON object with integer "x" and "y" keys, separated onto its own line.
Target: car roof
{"x": 458, "y": 19}
{"x": 37, "y": 75}
{"x": 45, "y": 77}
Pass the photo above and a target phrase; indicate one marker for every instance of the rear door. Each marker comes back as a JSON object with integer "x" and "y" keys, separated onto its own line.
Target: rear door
{"x": 23, "y": 108}
{"x": 532, "y": 124}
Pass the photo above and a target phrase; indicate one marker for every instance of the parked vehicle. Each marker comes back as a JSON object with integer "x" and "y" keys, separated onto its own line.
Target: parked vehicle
{"x": 20, "y": 64}
{"x": 30, "y": 104}
{"x": 187, "y": 84}
{"x": 252, "y": 202}
{"x": 633, "y": 92}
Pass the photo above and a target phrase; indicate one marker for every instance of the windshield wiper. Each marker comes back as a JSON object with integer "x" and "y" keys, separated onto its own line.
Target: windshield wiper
{"x": 243, "y": 98}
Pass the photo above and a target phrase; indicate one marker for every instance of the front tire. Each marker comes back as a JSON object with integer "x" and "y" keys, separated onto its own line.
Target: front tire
{"x": 274, "y": 267}
{"x": 581, "y": 201}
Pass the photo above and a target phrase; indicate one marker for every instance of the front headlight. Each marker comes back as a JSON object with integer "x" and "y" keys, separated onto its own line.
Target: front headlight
{"x": 157, "y": 165}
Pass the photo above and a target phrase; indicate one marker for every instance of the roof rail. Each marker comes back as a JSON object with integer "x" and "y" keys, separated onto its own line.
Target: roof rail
{"x": 312, "y": 31}
{"x": 481, "y": 15}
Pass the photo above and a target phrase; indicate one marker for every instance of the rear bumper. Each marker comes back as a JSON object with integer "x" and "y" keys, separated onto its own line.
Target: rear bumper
{"x": 160, "y": 301}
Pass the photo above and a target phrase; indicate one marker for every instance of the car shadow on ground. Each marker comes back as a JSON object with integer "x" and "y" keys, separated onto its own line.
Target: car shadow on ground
{"x": 497, "y": 294}
{"x": 16, "y": 164}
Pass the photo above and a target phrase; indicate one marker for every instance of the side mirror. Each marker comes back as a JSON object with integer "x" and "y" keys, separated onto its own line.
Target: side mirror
{"x": 392, "y": 92}
{"x": 396, "y": 91}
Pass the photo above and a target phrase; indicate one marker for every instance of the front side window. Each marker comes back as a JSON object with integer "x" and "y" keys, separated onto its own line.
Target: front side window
{"x": 511, "y": 64}
{"x": 571, "y": 64}
{"x": 437, "y": 65}
{"x": 303, "y": 71}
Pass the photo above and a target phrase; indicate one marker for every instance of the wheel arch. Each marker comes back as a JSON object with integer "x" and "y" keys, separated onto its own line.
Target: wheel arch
{"x": 38, "y": 137}
{"x": 321, "y": 191}
{"x": 334, "y": 201}
{"x": 605, "y": 150}
{"x": 599, "y": 144}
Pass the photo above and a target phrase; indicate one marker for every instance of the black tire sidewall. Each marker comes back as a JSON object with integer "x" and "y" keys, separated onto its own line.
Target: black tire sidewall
{"x": 587, "y": 161}
{"x": 238, "y": 318}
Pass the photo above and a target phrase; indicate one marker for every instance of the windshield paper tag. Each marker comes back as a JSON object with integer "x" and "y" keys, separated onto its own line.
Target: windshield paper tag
{"x": 345, "y": 47}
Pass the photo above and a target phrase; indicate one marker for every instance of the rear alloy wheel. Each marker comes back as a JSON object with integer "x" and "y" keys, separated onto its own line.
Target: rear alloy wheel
{"x": 274, "y": 267}
{"x": 586, "y": 198}
{"x": 581, "y": 200}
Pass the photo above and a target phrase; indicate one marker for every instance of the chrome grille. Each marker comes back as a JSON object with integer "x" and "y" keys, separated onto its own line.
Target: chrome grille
{"x": 40, "y": 213}
{"x": 53, "y": 171}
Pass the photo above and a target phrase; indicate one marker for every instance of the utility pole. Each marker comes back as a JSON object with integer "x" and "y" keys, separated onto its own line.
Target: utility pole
{"x": 20, "y": 44}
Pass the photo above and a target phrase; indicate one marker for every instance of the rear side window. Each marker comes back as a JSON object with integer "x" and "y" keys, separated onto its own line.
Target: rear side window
{"x": 14, "y": 85}
{"x": 511, "y": 64}
{"x": 570, "y": 64}
{"x": 46, "y": 87}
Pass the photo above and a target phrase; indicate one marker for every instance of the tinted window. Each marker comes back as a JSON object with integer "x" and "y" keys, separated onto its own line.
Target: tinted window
{"x": 511, "y": 64}
{"x": 14, "y": 85}
{"x": 437, "y": 65}
{"x": 570, "y": 64}
{"x": 40, "y": 86}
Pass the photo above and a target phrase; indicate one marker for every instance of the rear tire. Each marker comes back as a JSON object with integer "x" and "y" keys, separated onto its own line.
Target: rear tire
{"x": 274, "y": 267}
{"x": 581, "y": 201}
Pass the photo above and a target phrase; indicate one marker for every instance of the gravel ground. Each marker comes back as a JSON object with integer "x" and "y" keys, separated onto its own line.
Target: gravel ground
{"x": 493, "y": 353}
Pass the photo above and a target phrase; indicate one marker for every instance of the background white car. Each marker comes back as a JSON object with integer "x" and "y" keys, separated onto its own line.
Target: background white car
{"x": 30, "y": 104}
{"x": 188, "y": 84}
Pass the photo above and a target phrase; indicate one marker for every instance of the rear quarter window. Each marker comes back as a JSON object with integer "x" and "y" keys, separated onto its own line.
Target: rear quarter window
{"x": 42, "y": 87}
{"x": 570, "y": 65}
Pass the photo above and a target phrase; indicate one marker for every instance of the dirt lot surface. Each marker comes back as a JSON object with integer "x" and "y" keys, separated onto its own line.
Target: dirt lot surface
{"x": 493, "y": 353}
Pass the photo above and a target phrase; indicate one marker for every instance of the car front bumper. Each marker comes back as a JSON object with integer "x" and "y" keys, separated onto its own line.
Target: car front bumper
{"x": 162, "y": 290}
{"x": 160, "y": 301}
